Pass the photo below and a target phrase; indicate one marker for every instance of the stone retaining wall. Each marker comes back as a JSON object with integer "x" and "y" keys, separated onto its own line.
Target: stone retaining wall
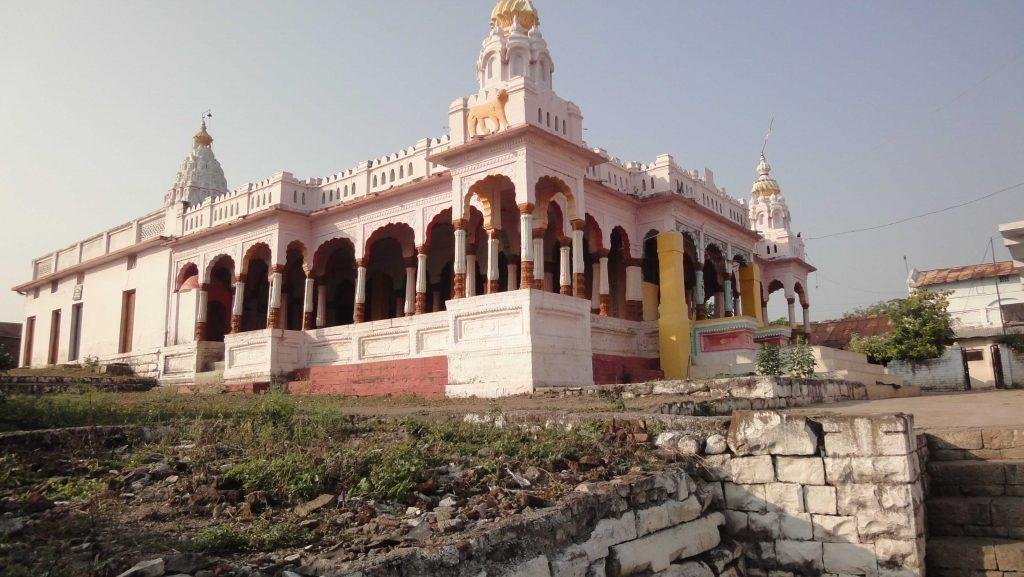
{"x": 724, "y": 396}
{"x": 837, "y": 495}
{"x": 643, "y": 524}
{"x": 38, "y": 385}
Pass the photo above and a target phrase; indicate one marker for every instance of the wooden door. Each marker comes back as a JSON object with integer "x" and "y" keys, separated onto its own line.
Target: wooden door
{"x": 30, "y": 333}
{"x": 127, "y": 321}
{"x": 51, "y": 358}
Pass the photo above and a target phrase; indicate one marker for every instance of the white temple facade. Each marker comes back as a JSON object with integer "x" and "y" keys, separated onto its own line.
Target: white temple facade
{"x": 504, "y": 257}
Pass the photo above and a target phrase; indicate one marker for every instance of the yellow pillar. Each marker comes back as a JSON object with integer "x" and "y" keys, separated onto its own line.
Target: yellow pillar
{"x": 750, "y": 292}
{"x": 673, "y": 317}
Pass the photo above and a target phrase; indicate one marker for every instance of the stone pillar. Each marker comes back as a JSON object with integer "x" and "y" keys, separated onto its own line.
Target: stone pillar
{"x": 307, "y": 304}
{"x": 790, "y": 301}
{"x": 698, "y": 293}
{"x": 634, "y": 291}
{"x": 436, "y": 298}
{"x": 409, "y": 307}
{"x": 274, "y": 315}
{"x": 359, "y": 312}
{"x": 595, "y": 285}
{"x": 807, "y": 318}
{"x": 719, "y": 304}
{"x": 511, "y": 273}
{"x": 203, "y": 299}
{"x": 420, "y": 306}
{"x": 538, "y": 259}
{"x": 471, "y": 272}
{"x": 727, "y": 298}
{"x": 459, "y": 266}
{"x": 321, "y": 306}
{"x": 526, "y": 254}
{"x": 764, "y": 312}
{"x": 578, "y": 279}
{"x": 605, "y": 298}
{"x": 673, "y": 321}
{"x": 237, "y": 301}
{"x": 564, "y": 271}
{"x": 493, "y": 274}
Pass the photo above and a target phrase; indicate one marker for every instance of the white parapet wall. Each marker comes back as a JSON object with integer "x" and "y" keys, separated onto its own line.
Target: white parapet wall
{"x": 621, "y": 337}
{"x": 513, "y": 342}
{"x": 418, "y": 336}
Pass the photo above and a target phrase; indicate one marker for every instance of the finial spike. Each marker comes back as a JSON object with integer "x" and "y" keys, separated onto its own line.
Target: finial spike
{"x": 765, "y": 144}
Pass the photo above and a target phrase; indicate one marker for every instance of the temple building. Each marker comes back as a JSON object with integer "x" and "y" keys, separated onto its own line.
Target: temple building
{"x": 503, "y": 257}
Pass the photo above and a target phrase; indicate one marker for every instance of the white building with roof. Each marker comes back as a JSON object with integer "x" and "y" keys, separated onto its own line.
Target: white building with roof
{"x": 504, "y": 257}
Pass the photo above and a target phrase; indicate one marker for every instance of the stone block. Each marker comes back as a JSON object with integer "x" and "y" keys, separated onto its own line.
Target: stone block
{"x": 572, "y": 562}
{"x": 960, "y": 511}
{"x": 801, "y": 556}
{"x": 1008, "y": 511}
{"x": 712, "y": 493}
{"x": 771, "y": 433}
{"x": 669, "y": 513}
{"x": 536, "y": 567}
{"x": 655, "y": 552}
{"x": 803, "y": 470}
{"x": 736, "y": 522}
{"x": 610, "y": 532}
{"x": 764, "y": 525}
{"x": 849, "y": 558}
{"x": 966, "y": 473}
{"x": 835, "y": 528}
{"x": 687, "y": 569}
{"x": 784, "y": 497}
{"x": 887, "y": 469}
{"x": 796, "y": 527}
{"x": 868, "y": 436}
{"x": 955, "y": 439}
{"x": 820, "y": 500}
{"x": 1003, "y": 438}
{"x": 717, "y": 468}
{"x": 968, "y": 553}
{"x": 749, "y": 470}
{"x": 894, "y": 554}
{"x": 1010, "y": 555}
{"x": 882, "y": 511}
{"x": 745, "y": 497}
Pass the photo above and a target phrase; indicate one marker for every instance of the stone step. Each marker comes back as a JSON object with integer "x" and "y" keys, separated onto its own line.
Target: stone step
{"x": 1001, "y": 517}
{"x": 209, "y": 378}
{"x": 218, "y": 366}
{"x": 960, "y": 556}
{"x": 977, "y": 478}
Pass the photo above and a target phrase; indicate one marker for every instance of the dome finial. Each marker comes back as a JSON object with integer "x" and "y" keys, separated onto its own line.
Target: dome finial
{"x": 763, "y": 168}
{"x": 506, "y": 12}
{"x": 203, "y": 138}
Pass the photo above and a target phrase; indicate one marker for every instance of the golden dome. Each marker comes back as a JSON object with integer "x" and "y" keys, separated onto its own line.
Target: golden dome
{"x": 203, "y": 138}
{"x": 765, "y": 185}
{"x": 506, "y": 10}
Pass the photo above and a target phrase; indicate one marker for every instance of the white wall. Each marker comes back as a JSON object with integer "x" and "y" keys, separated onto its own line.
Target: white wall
{"x": 102, "y": 290}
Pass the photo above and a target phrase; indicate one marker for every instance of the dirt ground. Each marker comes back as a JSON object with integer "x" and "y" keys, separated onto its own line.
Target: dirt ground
{"x": 990, "y": 409}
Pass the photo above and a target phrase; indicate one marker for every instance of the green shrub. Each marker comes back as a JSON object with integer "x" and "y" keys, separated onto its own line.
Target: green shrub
{"x": 799, "y": 359}
{"x": 230, "y": 538}
{"x": 291, "y": 475}
{"x": 394, "y": 472}
{"x": 7, "y": 360}
{"x": 769, "y": 361}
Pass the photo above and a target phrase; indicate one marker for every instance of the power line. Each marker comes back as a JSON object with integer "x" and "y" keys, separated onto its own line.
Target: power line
{"x": 917, "y": 216}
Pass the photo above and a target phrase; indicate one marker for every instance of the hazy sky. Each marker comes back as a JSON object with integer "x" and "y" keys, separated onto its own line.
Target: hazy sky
{"x": 882, "y": 109}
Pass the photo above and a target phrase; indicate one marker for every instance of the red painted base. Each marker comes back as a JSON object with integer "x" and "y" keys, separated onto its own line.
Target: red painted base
{"x": 614, "y": 370}
{"x": 425, "y": 377}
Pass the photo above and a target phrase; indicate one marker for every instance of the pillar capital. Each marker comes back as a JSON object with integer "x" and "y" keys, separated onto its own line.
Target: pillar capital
{"x": 494, "y": 233}
{"x": 205, "y": 287}
{"x": 578, "y": 224}
{"x": 539, "y": 232}
{"x": 526, "y": 208}
{"x": 460, "y": 223}
{"x": 278, "y": 268}
{"x": 421, "y": 249}
{"x": 634, "y": 261}
{"x": 240, "y": 277}
{"x": 361, "y": 262}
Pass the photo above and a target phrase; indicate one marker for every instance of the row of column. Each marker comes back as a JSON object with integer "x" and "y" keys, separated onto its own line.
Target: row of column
{"x": 571, "y": 279}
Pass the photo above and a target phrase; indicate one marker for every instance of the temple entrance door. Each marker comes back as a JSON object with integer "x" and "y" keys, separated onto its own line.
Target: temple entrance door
{"x": 127, "y": 321}
{"x": 30, "y": 334}
{"x": 51, "y": 358}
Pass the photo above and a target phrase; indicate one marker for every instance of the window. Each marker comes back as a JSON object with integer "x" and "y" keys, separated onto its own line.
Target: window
{"x": 130, "y": 262}
{"x": 51, "y": 358}
{"x": 54, "y": 285}
{"x": 540, "y": 116}
{"x": 392, "y": 175}
{"x": 549, "y": 119}
{"x": 76, "y": 332}
{"x": 563, "y": 127}
{"x": 401, "y": 172}
{"x": 375, "y": 180}
{"x": 1005, "y": 278}
{"x": 975, "y": 355}
{"x": 323, "y": 197}
{"x": 410, "y": 170}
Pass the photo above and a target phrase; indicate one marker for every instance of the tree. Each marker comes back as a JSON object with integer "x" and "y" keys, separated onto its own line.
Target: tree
{"x": 921, "y": 329}
{"x": 779, "y": 322}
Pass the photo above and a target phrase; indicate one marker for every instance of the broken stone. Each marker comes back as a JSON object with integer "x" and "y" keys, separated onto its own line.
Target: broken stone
{"x": 771, "y": 433}
{"x": 304, "y": 509}
{"x": 716, "y": 445}
{"x": 151, "y": 568}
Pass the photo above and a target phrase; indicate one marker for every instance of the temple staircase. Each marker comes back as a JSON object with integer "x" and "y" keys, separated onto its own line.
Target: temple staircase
{"x": 976, "y": 503}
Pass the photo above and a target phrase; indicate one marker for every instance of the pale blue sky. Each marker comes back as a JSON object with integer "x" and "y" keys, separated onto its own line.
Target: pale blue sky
{"x": 100, "y": 99}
